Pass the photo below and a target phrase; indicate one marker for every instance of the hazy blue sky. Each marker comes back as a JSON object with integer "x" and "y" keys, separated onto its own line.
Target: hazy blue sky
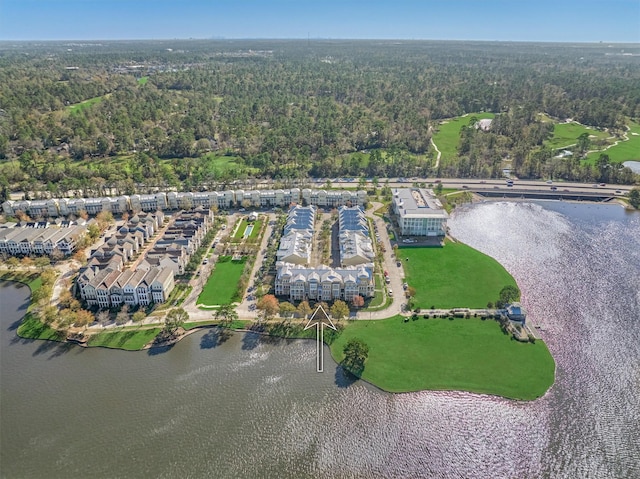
{"x": 519, "y": 20}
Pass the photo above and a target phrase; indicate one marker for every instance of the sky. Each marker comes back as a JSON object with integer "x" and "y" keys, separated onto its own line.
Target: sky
{"x": 503, "y": 20}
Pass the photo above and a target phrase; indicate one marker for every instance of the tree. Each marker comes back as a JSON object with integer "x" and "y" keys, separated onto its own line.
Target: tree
{"x": 583, "y": 144}
{"x": 226, "y": 314}
{"x": 83, "y": 318}
{"x": 103, "y": 317}
{"x": 287, "y": 309}
{"x": 357, "y": 301}
{"x": 13, "y": 263}
{"x": 174, "y": 320}
{"x": 339, "y": 310}
{"x": 49, "y": 314}
{"x": 26, "y": 262}
{"x": 634, "y": 198}
{"x": 508, "y": 294}
{"x": 269, "y": 305}
{"x": 138, "y": 316}
{"x": 355, "y": 352}
{"x": 42, "y": 262}
{"x": 304, "y": 309}
{"x": 123, "y": 315}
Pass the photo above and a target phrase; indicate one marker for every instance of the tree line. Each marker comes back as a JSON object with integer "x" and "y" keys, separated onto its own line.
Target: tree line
{"x": 289, "y": 109}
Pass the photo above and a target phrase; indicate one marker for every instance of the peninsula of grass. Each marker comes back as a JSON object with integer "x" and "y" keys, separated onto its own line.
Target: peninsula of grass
{"x": 454, "y": 276}
{"x": 222, "y": 285}
{"x": 471, "y": 355}
{"x": 130, "y": 340}
{"x": 31, "y": 327}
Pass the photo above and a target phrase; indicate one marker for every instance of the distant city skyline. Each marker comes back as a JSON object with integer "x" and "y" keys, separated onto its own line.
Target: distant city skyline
{"x": 502, "y": 20}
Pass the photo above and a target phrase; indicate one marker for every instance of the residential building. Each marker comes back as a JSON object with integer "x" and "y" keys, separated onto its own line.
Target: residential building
{"x": 324, "y": 283}
{"x": 419, "y": 212}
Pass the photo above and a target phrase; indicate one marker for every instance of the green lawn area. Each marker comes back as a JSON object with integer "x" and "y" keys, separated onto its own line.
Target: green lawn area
{"x": 447, "y": 135}
{"x": 440, "y": 354}
{"x": 132, "y": 340}
{"x": 565, "y": 134}
{"x": 32, "y": 328}
{"x": 257, "y": 225}
{"x": 624, "y": 151}
{"x": 453, "y": 276}
{"x": 239, "y": 235}
{"x": 223, "y": 282}
{"x": 143, "y": 80}
{"x": 240, "y": 231}
{"x": 76, "y": 107}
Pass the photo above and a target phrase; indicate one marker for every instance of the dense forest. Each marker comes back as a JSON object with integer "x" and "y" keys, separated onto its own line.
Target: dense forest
{"x": 192, "y": 114}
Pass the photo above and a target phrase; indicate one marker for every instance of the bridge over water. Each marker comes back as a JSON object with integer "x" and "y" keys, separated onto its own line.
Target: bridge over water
{"x": 599, "y": 196}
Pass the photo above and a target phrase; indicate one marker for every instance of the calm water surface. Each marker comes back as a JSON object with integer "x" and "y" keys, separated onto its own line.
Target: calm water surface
{"x": 255, "y": 408}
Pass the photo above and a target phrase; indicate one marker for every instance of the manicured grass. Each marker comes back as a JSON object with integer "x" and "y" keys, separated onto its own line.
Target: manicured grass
{"x": 447, "y": 135}
{"x": 453, "y": 276}
{"x": 565, "y": 134}
{"x": 624, "y": 151}
{"x": 32, "y": 328}
{"x": 143, "y": 80}
{"x": 131, "y": 340}
{"x": 76, "y": 107}
{"x": 240, "y": 231}
{"x": 440, "y": 354}
{"x": 257, "y": 226}
{"x": 223, "y": 282}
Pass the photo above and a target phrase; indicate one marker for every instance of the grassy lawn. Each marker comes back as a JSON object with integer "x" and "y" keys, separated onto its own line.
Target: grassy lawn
{"x": 257, "y": 225}
{"x": 565, "y": 134}
{"x": 131, "y": 340}
{"x": 223, "y": 282}
{"x": 143, "y": 80}
{"x": 440, "y": 354}
{"x": 76, "y": 107}
{"x": 447, "y": 135}
{"x": 453, "y": 276}
{"x": 240, "y": 231}
{"x": 623, "y": 151}
{"x": 32, "y": 328}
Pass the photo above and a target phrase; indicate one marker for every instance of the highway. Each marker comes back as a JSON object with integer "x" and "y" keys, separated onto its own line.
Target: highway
{"x": 476, "y": 184}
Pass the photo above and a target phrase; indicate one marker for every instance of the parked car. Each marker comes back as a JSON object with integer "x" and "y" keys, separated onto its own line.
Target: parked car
{"x": 390, "y": 292}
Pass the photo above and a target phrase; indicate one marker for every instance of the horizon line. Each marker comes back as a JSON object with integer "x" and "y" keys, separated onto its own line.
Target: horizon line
{"x": 51, "y": 40}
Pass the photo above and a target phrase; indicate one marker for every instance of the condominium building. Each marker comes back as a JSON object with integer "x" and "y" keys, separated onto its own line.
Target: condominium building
{"x": 419, "y": 212}
{"x": 185, "y": 200}
{"x": 354, "y": 238}
{"x": 324, "y": 283}
{"x": 40, "y": 238}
